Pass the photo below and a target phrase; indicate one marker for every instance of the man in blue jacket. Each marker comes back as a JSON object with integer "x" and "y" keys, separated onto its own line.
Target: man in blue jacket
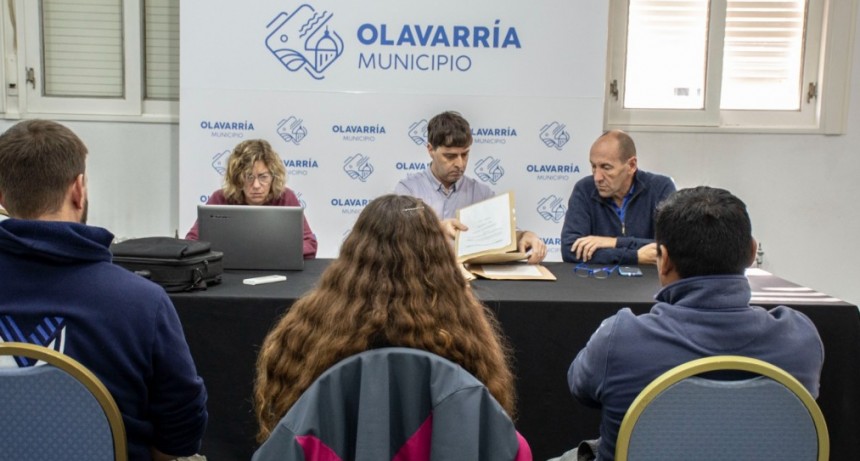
{"x": 60, "y": 290}
{"x": 610, "y": 214}
{"x": 704, "y": 245}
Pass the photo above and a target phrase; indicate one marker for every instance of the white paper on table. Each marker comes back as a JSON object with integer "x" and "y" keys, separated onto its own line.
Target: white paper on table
{"x": 489, "y": 223}
{"x": 529, "y": 270}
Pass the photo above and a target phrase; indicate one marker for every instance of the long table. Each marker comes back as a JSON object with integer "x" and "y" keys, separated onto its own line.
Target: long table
{"x": 547, "y": 323}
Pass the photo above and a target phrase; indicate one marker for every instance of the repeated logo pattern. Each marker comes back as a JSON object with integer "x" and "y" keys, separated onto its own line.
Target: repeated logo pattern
{"x": 418, "y": 132}
{"x": 291, "y": 130}
{"x": 219, "y": 162}
{"x": 489, "y": 170}
{"x": 551, "y": 208}
{"x": 554, "y": 135}
{"x": 358, "y": 167}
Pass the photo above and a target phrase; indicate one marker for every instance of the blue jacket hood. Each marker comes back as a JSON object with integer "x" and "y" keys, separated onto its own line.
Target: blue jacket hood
{"x": 55, "y": 240}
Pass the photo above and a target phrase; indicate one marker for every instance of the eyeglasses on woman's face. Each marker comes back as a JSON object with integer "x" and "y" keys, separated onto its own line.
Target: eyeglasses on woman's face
{"x": 263, "y": 178}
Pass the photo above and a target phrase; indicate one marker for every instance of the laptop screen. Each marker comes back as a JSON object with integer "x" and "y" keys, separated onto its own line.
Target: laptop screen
{"x": 254, "y": 237}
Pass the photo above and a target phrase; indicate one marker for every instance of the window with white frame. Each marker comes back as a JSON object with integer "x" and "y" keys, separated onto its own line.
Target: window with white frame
{"x": 758, "y": 65}
{"x": 99, "y": 59}
{"x": 6, "y": 38}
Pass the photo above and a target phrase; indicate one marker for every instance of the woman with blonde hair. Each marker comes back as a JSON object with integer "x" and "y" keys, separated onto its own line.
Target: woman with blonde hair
{"x": 256, "y": 176}
{"x": 395, "y": 283}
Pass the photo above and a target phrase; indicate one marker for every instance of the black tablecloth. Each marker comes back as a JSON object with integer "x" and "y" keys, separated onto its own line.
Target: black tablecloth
{"x": 547, "y": 323}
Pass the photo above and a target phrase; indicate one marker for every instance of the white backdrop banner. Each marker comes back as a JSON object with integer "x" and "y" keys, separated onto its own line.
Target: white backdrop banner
{"x": 343, "y": 91}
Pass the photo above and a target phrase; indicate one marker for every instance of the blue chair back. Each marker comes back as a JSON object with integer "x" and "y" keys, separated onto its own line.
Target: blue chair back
{"x": 681, "y": 416}
{"x": 56, "y": 410}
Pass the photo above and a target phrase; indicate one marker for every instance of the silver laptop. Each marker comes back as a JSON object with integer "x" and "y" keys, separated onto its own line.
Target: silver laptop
{"x": 254, "y": 237}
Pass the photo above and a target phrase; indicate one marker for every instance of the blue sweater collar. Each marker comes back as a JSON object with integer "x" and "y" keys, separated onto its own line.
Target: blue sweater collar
{"x": 708, "y": 292}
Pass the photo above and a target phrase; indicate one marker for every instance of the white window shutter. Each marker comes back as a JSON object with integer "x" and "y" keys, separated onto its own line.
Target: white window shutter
{"x": 763, "y": 54}
{"x": 161, "y": 49}
{"x": 83, "y": 48}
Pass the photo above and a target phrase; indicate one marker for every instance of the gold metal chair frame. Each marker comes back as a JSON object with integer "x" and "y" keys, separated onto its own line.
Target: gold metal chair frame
{"x": 85, "y": 377}
{"x": 716, "y": 363}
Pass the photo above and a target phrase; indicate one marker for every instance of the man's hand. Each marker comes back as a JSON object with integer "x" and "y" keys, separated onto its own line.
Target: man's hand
{"x": 530, "y": 241}
{"x": 451, "y": 226}
{"x": 647, "y": 254}
{"x": 584, "y": 247}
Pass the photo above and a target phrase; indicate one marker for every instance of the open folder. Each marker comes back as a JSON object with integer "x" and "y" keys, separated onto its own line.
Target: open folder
{"x": 492, "y": 240}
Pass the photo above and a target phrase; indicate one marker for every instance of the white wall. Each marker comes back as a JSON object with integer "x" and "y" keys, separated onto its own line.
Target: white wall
{"x": 132, "y": 176}
{"x": 801, "y": 192}
{"x": 801, "y": 189}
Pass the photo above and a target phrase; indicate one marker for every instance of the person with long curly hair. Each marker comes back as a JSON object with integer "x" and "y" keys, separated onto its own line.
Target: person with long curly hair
{"x": 395, "y": 283}
{"x": 256, "y": 176}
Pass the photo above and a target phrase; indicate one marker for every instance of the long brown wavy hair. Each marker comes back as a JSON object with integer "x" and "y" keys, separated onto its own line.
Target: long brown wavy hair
{"x": 395, "y": 283}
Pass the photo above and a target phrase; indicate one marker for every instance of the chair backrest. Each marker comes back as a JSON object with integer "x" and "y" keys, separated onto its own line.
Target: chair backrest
{"x": 684, "y": 416}
{"x": 395, "y": 404}
{"x": 58, "y": 410}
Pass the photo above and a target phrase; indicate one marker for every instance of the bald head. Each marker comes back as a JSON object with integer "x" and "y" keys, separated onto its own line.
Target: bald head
{"x": 621, "y": 142}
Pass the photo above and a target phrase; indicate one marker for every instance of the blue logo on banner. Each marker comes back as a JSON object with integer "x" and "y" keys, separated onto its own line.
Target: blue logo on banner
{"x": 489, "y": 170}
{"x": 349, "y": 202}
{"x": 219, "y": 162}
{"x": 302, "y": 40}
{"x": 300, "y": 163}
{"x": 349, "y": 205}
{"x": 418, "y": 132}
{"x": 227, "y": 128}
{"x": 490, "y": 135}
{"x": 551, "y": 208}
{"x": 411, "y": 166}
{"x": 301, "y": 201}
{"x": 358, "y": 167}
{"x": 554, "y": 135}
{"x": 292, "y": 130}
{"x": 430, "y": 47}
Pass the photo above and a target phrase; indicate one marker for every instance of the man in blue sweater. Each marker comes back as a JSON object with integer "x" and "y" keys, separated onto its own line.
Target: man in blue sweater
{"x": 610, "y": 214}
{"x": 704, "y": 244}
{"x": 60, "y": 290}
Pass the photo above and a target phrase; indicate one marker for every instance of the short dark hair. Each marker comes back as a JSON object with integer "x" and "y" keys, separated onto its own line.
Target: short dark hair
{"x": 706, "y": 231}
{"x": 449, "y": 129}
{"x": 39, "y": 159}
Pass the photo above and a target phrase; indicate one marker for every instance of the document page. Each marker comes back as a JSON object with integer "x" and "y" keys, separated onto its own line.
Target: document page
{"x": 499, "y": 270}
{"x": 491, "y": 227}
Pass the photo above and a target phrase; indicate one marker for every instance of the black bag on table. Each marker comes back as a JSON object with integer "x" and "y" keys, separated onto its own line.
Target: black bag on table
{"x": 175, "y": 264}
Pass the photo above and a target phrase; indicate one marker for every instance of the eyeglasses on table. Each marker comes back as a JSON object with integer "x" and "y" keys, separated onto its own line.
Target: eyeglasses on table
{"x": 586, "y": 270}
